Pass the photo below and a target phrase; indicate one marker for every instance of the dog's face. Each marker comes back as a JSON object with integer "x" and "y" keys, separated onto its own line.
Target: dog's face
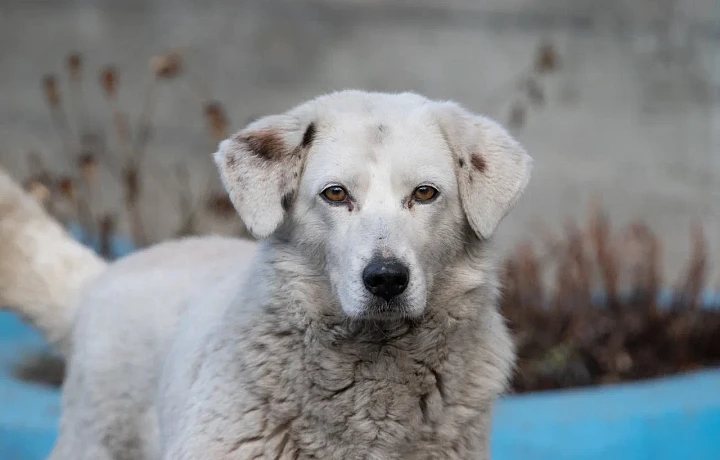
{"x": 379, "y": 197}
{"x": 385, "y": 189}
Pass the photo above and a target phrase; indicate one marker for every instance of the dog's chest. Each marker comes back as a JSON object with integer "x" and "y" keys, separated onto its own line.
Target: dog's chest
{"x": 389, "y": 403}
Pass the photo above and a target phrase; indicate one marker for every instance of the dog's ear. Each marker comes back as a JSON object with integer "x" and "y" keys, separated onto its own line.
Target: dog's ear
{"x": 492, "y": 168}
{"x": 260, "y": 167}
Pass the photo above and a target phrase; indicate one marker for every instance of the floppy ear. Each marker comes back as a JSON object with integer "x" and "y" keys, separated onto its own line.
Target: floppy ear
{"x": 260, "y": 167}
{"x": 492, "y": 168}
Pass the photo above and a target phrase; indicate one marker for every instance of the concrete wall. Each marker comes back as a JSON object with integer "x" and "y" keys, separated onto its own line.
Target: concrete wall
{"x": 632, "y": 115}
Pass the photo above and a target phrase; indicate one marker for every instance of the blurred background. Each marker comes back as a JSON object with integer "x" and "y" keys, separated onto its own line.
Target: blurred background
{"x": 628, "y": 112}
{"x": 110, "y": 110}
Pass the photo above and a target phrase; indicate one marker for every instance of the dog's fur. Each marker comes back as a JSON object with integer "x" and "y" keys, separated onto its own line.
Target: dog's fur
{"x": 216, "y": 348}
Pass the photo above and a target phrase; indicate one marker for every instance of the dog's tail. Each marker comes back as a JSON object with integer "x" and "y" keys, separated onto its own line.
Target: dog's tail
{"x": 42, "y": 268}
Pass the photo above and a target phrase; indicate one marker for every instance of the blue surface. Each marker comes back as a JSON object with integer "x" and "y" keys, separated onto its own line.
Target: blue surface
{"x": 672, "y": 418}
{"x": 28, "y": 412}
{"x": 119, "y": 246}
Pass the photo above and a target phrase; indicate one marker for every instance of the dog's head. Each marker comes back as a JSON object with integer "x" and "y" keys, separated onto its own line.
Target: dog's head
{"x": 385, "y": 190}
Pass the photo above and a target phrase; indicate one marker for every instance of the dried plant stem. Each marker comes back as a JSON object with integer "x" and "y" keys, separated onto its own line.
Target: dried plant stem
{"x": 697, "y": 270}
{"x": 86, "y": 161}
{"x": 78, "y": 108}
{"x": 85, "y": 217}
{"x": 573, "y": 343}
{"x": 573, "y": 277}
{"x": 121, "y": 126}
{"x": 144, "y": 122}
{"x": 535, "y": 91}
{"x": 107, "y": 230}
{"x": 92, "y": 192}
{"x": 58, "y": 116}
{"x": 644, "y": 250}
{"x": 131, "y": 183}
{"x": 131, "y": 155}
{"x": 552, "y": 244}
{"x": 120, "y": 119}
{"x": 137, "y": 228}
{"x": 654, "y": 269}
{"x": 528, "y": 274}
{"x": 109, "y": 84}
{"x": 188, "y": 225}
{"x": 606, "y": 256}
{"x": 526, "y": 89}
{"x": 132, "y": 179}
{"x": 74, "y": 65}
{"x": 86, "y": 207}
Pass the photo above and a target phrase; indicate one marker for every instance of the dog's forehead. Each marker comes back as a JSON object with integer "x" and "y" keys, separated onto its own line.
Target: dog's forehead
{"x": 378, "y": 129}
{"x": 355, "y": 144}
{"x": 393, "y": 138}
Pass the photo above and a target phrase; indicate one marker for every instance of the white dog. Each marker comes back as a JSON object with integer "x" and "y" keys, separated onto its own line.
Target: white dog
{"x": 364, "y": 326}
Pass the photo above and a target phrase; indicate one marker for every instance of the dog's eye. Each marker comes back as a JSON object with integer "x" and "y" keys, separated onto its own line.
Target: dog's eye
{"x": 425, "y": 193}
{"x": 334, "y": 193}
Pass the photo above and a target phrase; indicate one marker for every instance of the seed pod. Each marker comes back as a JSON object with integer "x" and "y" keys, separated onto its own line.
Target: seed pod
{"x": 88, "y": 166}
{"x": 67, "y": 188}
{"x": 217, "y": 120}
{"x": 74, "y": 65}
{"x": 167, "y": 66}
{"x": 52, "y": 92}
{"x": 546, "y": 59}
{"x": 109, "y": 81}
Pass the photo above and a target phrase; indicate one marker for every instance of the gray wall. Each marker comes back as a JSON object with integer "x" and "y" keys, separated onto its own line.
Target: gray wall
{"x": 631, "y": 116}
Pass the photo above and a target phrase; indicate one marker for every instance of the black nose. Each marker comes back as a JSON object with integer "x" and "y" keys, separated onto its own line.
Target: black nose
{"x": 386, "y": 279}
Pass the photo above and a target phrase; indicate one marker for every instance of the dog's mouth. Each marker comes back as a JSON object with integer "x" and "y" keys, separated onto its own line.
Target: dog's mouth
{"x": 379, "y": 309}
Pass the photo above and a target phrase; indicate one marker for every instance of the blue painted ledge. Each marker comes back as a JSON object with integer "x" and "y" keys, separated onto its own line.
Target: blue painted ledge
{"x": 663, "y": 419}
{"x": 671, "y": 418}
{"x": 28, "y": 412}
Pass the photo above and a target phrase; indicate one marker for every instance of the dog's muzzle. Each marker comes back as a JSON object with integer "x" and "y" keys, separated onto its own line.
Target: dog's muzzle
{"x": 386, "y": 278}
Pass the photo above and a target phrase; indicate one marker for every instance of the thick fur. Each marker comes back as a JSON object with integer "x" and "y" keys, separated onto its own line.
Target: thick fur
{"x": 127, "y": 319}
{"x": 216, "y": 348}
{"x": 268, "y": 380}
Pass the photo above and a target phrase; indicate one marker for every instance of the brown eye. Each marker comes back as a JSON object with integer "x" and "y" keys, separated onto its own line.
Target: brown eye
{"x": 334, "y": 193}
{"x": 425, "y": 193}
